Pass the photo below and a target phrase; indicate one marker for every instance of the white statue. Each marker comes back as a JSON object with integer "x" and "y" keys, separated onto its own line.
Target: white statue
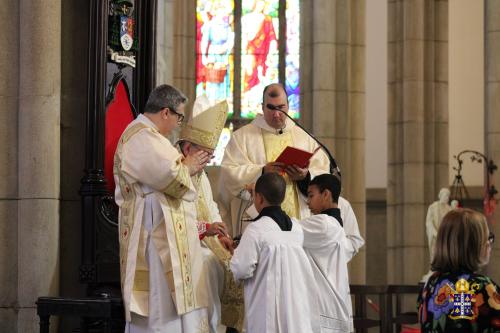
{"x": 435, "y": 213}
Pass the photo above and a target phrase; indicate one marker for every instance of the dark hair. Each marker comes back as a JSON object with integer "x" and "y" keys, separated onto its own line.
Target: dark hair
{"x": 272, "y": 93}
{"x": 272, "y": 187}
{"x": 328, "y": 182}
{"x": 461, "y": 241}
{"x": 164, "y": 96}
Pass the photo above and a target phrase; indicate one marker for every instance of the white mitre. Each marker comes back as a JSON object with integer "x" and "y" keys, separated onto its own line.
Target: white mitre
{"x": 205, "y": 123}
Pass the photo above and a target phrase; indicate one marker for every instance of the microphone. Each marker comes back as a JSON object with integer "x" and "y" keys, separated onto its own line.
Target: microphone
{"x": 333, "y": 164}
{"x": 245, "y": 195}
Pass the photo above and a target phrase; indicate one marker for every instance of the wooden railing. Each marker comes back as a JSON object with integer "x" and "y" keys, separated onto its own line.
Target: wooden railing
{"x": 386, "y": 304}
{"x": 373, "y": 307}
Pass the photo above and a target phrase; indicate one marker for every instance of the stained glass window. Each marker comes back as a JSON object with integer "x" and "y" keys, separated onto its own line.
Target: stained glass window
{"x": 255, "y": 55}
{"x": 238, "y": 67}
{"x": 214, "y": 49}
{"x": 259, "y": 52}
{"x": 292, "y": 56}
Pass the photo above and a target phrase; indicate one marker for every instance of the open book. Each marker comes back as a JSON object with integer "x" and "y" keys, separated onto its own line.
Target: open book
{"x": 292, "y": 155}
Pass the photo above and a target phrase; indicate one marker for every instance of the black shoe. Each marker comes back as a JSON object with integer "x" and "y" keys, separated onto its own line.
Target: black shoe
{"x": 231, "y": 330}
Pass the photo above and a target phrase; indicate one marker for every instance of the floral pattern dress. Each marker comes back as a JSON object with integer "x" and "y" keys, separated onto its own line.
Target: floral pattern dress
{"x": 459, "y": 303}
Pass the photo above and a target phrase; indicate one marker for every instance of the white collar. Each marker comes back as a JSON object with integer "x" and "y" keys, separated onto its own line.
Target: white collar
{"x": 143, "y": 119}
{"x": 260, "y": 122}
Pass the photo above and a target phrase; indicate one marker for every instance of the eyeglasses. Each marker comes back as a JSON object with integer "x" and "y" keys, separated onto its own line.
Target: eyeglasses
{"x": 180, "y": 117}
{"x": 491, "y": 238}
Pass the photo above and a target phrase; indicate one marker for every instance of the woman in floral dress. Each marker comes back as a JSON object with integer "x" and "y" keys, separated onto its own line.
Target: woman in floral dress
{"x": 456, "y": 298}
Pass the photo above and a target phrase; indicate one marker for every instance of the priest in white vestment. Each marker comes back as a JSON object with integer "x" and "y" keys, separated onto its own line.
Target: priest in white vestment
{"x": 252, "y": 151}
{"x": 280, "y": 292}
{"x": 161, "y": 264}
{"x": 326, "y": 246}
{"x": 225, "y": 297}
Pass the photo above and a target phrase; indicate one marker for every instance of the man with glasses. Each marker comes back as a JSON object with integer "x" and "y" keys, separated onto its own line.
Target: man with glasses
{"x": 253, "y": 150}
{"x": 161, "y": 263}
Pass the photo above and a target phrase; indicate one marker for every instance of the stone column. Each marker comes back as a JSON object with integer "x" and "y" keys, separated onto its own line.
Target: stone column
{"x": 492, "y": 112}
{"x": 417, "y": 129}
{"x": 185, "y": 45}
{"x": 334, "y": 95}
{"x": 38, "y": 156}
{"x": 165, "y": 42}
{"x": 9, "y": 72}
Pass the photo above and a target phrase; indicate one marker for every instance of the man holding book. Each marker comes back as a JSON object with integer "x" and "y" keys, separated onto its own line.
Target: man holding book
{"x": 252, "y": 151}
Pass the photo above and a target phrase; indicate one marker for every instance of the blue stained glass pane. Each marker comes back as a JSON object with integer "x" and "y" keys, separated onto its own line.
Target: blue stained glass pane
{"x": 214, "y": 48}
{"x": 292, "y": 58}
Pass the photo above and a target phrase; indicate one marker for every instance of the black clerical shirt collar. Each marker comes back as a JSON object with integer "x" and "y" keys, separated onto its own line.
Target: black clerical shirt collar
{"x": 335, "y": 213}
{"x": 278, "y": 215}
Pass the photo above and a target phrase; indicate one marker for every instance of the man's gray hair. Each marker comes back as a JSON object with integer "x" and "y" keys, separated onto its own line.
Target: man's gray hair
{"x": 164, "y": 96}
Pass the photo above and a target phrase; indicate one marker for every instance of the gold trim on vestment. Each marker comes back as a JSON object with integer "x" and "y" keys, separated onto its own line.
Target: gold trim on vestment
{"x": 127, "y": 219}
{"x": 274, "y": 145}
{"x": 201, "y": 137}
{"x": 205, "y": 128}
{"x": 127, "y": 210}
{"x": 141, "y": 280}
{"x": 179, "y": 223}
{"x": 180, "y": 184}
{"x": 232, "y": 300}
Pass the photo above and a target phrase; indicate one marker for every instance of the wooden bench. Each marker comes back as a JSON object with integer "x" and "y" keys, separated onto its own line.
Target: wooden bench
{"x": 109, "y": 310}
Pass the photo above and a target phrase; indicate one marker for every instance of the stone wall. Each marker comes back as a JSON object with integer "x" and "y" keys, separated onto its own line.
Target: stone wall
{"x": 30, "y": 146}
{"x": 417, "y": 129}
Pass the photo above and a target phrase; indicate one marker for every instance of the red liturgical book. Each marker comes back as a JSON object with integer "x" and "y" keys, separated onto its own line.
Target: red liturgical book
{"x": 292, "y": 155}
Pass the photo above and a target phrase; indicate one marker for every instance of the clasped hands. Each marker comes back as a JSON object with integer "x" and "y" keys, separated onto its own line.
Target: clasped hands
{"x": 294, "y": 172}
{"x": 197, "y": 161}
{"x": 220, "y": 229}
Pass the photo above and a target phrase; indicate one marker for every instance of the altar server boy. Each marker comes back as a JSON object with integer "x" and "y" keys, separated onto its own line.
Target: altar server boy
{"x": 326, "y": 245}
{"x": 280, "y": 291}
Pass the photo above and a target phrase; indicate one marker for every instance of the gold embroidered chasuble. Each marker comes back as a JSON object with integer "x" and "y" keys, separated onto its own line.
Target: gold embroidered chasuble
{"x": 146, "y": 159}
{"x": 274, "y": 145}
{"x": 232, "y": 301}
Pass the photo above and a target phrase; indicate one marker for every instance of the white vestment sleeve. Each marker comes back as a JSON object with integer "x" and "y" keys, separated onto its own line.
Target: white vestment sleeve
{"x": 150, "y": 159}
{"x": 237, "y": 169}
{"x": 246, "y": 255}
{"x": 351, "y": 229}
{"x": 318, "y": 233}
{"x": 319, "y": 163}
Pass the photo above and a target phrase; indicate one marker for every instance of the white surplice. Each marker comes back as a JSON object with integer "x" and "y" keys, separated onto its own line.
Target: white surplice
{"x": 245, "y": 156}
{"x": 280, "y": 293}
{"x": 351, "y": 229}
{"x": 326, "y": 245}
{"x": 162, "y": 267}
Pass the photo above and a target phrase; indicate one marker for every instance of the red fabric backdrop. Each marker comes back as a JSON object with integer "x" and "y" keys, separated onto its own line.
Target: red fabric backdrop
{"x": 118, "y": 115}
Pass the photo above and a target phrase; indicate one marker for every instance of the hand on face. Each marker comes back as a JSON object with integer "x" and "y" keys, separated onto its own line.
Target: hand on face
{"x": 196, "y": 161}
